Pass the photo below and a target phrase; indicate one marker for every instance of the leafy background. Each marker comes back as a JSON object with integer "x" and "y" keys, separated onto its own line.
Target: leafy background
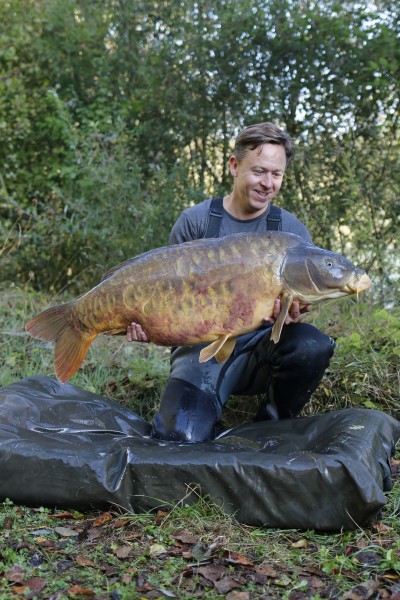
{"x": 116, "y": 115}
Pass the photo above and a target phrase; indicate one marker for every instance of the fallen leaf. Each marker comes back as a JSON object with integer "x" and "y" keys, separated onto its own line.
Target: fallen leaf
{"x": 80, "y": 590}
{"x": 110, "y": 570}
{"x": 235, "y": 558}
{"x": 212, "y": 572}
{"x": 300, "y": 544}
{"x": 64, "y": 565}
{"x": 283, "y": 580}
{"x": 185, "y": 537}
{"x": 43, "y": 543}
{"x": 66, "y": 532}
{"x": 263, "y": 573}
{"x": 19, "y": 588}
{"x": 121, "y": 522}
{"x": 365, "y": 557}
{"x": 200, "y": 552}
{"x": 103, "y": 518}
{"x": 15, "y": 574}
{"x": 123, "y": 551}
{"x": 364, "y": 590}
{"x": 8, "y": 522}
{"x": 313, "y": 570}
{"x": 160, "y": 516}
{"x": 157, "y": 549}
{"x": 35, "y": 584}
{"x": 84, "y": 562}
{"x": 40, "y": 532}
{"x": 238, "y": 596}
{"x": 167, "y": 593}
{"x": 382, "y": 528}
{"x": 94, "y": 533}
{"x": 225, "y": 585}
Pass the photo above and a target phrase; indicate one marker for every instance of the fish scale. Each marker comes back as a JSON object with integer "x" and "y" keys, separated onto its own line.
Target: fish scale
{"x": 209, "y": 290}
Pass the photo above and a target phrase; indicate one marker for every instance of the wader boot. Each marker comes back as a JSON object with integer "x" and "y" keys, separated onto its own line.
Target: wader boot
{"x": 186, "y": 414}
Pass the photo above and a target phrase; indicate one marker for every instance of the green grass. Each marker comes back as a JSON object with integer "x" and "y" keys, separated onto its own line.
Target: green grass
{"x": 197, "y": 551}
{"x": 133, "y": 374}
{"x": 190, "y": 552}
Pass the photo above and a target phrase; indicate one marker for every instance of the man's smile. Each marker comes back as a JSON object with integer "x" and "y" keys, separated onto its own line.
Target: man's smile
{"x": 263, "y": 194}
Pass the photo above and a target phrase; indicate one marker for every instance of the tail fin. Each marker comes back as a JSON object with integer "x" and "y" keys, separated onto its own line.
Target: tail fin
{"x": 72, "y": 345}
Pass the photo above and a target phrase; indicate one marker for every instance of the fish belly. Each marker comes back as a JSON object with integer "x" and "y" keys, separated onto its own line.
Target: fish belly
{"x": 188, "y": 294}
{"x": 203, "y": 314}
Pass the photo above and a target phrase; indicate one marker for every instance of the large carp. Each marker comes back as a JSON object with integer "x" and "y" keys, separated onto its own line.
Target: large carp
{"x": 208, "y": 290}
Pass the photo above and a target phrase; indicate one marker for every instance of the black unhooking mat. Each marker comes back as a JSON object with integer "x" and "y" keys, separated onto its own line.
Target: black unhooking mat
{"x": 63, "y": 446}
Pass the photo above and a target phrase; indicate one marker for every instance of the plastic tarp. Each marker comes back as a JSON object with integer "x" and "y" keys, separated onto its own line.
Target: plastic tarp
{"x": 62, "y": 446}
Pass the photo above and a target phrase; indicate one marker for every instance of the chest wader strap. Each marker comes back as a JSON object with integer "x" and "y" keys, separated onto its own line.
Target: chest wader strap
{"x": 273, "y": 220}
{"x": 215, "y": 218}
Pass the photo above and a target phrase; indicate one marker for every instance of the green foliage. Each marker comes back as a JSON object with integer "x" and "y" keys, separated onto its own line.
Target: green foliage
{"x": 57, "y": 242}
{"x": 114, "y": 116}
{"x": 365, "y": 369}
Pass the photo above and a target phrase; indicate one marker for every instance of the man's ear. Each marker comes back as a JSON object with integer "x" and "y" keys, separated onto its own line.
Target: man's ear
{"x": 233, "y": 165}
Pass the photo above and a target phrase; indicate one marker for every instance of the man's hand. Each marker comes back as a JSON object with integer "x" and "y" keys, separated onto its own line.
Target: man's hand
{"x": 294, "y": 314}
{"x": 135, "y": 333}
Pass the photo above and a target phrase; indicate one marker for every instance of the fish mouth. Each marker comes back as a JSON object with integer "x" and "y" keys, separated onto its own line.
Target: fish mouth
{"x": 356, "y": 285}
{"x": 360, "y": 283}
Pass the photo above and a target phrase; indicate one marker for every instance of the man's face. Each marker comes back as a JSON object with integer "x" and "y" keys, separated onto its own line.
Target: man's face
{"x": 257, "y": 177}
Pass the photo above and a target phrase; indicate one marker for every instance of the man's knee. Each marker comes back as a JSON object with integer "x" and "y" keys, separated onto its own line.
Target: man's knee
{"x": 307, "y": 344}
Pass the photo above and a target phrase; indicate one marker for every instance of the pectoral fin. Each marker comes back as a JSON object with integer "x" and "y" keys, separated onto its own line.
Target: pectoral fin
{"x": 286, "y": 302}
{"x": 222, "y": 348}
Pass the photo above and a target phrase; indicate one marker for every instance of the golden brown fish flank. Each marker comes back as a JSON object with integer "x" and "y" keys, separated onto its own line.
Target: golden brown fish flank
{"x": 201, "y": 291}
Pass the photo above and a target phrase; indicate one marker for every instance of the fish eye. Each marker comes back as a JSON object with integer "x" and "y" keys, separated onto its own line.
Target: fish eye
{"x": 329, "y": 263}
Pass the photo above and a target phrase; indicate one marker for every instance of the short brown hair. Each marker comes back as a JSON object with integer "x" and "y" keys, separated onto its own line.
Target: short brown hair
{"x": 262, "y": 133}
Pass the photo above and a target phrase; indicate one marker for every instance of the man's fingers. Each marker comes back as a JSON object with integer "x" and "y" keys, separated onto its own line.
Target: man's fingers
{"x": 140, "y": 334}
{"x": 134, "y": 333}
{"x": 295, "y": 311}
{"x": 275, "y": 312}
{"x": 305, "y": 309}
{"x": 277, "y": 308}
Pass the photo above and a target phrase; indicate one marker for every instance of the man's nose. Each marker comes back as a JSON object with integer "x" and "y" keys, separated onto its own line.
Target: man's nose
{"x": 267, "y": 180}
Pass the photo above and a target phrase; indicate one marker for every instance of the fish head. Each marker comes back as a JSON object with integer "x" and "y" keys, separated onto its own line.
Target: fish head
{"x": 313, "y": 274}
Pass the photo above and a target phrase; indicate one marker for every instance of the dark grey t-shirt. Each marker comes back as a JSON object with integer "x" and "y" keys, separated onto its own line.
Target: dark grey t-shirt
{"x": 193, "y": 222}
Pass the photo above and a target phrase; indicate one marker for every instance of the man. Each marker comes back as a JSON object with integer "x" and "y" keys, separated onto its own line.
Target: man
{"x": 287, "y": 372}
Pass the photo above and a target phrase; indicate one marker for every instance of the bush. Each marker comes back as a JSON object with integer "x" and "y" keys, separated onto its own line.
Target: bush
{"x": 103, "y": 214}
